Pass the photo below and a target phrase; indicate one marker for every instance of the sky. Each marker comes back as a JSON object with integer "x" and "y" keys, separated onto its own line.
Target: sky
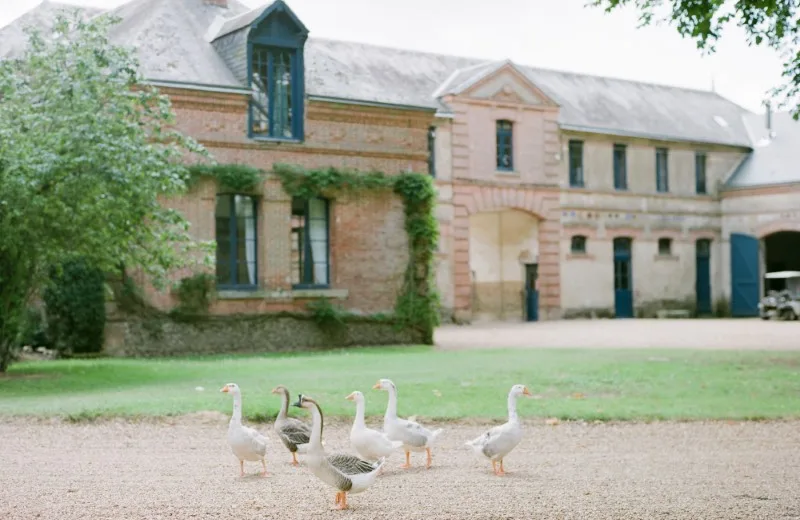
{"x": 556, "y": 34}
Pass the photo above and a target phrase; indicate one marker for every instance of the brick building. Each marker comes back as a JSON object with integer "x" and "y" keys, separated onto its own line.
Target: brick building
{"x": 560, "y": 194}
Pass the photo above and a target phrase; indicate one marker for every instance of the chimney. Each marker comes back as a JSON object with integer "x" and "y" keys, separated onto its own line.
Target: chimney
{"x": 218, "y": 3}
{"x": 768, "y": 113}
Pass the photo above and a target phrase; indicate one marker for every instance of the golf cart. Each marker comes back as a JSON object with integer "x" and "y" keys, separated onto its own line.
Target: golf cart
{"x": 783, "y": 304}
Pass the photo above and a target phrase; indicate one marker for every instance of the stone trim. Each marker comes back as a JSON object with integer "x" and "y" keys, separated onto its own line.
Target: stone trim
{"x": 294, "y": 294}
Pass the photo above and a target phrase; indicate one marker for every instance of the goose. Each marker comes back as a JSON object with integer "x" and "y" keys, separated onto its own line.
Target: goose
{"x": 294, "y": 433}
{"x": 347, "y": 473}
{"x": 246, "y": 443}
{"x": 370, "y": 444}
{"x": 413, "y": 435}
{"x": 498, "y": 442}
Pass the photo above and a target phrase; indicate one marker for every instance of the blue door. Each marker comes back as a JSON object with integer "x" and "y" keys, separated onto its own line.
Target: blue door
{"x": 744, "y": 275}
{"x": 531, "y": 294}
{"x": 703, "y": 278}
{"x": 623, "y": 280}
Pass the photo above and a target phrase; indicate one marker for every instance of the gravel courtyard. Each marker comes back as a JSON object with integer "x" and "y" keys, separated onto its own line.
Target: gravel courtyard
{"x": 181, "y": 468}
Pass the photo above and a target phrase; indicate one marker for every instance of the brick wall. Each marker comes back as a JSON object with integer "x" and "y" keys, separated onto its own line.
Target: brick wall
{"x": 368, "y": 243}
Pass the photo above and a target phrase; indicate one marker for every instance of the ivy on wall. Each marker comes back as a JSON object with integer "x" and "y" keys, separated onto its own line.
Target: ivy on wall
{"x": 235, "y": 177}
{"x": 417, "y": 304}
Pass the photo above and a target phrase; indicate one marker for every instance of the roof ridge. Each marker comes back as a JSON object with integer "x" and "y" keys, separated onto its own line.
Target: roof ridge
{"x": 529, "y": 67}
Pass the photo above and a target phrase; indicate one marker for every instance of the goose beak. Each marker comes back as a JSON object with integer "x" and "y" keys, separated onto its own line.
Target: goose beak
{"x": 527, "y": 392}
{"x": 275, "y": 391}
{"x": 376, "y": 386}
{"x": 224, "y": 389}
{"x": 351, "y": 397}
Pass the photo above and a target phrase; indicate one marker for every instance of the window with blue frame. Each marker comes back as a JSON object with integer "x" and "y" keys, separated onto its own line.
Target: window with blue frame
{"x": 576, "y": 164}
{"x": 237, "y": 241}
{"x": 700, "y": 173}
{"x": 274, "y": 80}
{"x": 620, "y": 167}
{"x": 432, "y": 151}
{"x": 662, "y": 173}
{"x": 505, "y": 145}
{"x": 310, "y": 243}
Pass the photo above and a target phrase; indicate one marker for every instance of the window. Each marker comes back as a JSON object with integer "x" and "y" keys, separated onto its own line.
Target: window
{"x": 620, "y": 168}
{"x": 237, "y": 240}
{"x": 576, "y": 164}
{"x": 310, "y": 244}
{"x": 505, "y": 150}
{"x": 432, "y": 151}
{"x": 276, "y": 93}
{"x": 662, "y": 174}
{"x": 703, "y": 247}
{"x": 578, "y": 245}
{"x": 665, "y": 246}
{"x": 700, "y": 173}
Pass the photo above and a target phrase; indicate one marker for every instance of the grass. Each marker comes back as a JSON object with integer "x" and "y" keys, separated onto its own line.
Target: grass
{"x": 568, "y": 384}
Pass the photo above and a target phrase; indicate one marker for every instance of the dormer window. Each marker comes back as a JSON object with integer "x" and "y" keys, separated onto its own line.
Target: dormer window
{"x": 273, "y": 86}
{"x": 275, "y": 43}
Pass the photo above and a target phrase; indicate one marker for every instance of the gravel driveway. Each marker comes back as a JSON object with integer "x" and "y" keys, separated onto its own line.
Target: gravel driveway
{"x": 181, "y": 468}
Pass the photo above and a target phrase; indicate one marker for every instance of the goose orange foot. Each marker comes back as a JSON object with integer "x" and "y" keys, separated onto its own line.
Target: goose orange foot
{"x": 408, "y": 461}
{"x": 341, "y": 500}
{"x": 429, "y": 460}
{"x": 294, "y": 459}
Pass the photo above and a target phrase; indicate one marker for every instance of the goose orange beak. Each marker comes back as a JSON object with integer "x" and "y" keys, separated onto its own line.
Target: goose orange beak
{"x": 224, "y": 389}
{"x": 527, "y": 392}
{"x": 377, "y": 386}
{"x": 351, "y": 397}
{"x": 275, "y": 391}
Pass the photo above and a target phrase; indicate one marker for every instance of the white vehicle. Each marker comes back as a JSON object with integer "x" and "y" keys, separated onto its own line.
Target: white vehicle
{"x": 784, "y": 304}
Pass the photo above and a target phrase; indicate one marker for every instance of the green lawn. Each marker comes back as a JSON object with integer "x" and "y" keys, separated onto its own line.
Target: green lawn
{"x": 569, "y": 384}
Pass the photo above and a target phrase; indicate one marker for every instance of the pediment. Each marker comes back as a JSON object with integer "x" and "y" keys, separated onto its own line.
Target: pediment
{"x": 508, "y": 85}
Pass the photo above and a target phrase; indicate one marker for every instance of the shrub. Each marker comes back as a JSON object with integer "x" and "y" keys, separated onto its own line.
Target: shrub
{"x": 75, "y": 307}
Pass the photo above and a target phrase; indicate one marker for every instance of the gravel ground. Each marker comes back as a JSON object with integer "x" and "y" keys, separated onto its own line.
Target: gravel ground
{"x": 181, "y": 468}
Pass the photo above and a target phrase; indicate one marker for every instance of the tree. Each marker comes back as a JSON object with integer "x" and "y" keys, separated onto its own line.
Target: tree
{"x": 766, "y": 22}
{"x": 86, "y": 157}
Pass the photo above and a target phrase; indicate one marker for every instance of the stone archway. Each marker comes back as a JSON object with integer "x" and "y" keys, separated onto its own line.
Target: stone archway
{"x": 527, "y": 206}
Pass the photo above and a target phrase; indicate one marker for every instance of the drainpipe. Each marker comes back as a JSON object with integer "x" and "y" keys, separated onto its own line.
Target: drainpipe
{"x": 768, "y": 113}
{"x": 502, "y": 281}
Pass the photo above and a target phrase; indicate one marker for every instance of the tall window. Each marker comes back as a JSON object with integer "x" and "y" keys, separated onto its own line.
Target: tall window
{"x": 700, "y": 173}
{"x": 237, "y": 241}
{"x": 576, "y": 164}
{"x": 432, "y": 151}
{"x": 310, "y": 243}
{"x": 273, "y": 78}
{"x": 662, "y": 173}
{"x": 620, "y": 168}
{"x": 505, "y": 145}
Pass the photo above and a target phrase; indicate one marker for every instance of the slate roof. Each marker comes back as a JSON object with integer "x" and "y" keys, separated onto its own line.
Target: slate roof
{"x": 773, "y": 160}
{"x": 171, "y": 37}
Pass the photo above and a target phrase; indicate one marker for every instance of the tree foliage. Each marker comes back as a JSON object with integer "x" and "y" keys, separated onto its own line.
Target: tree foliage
{"x": 86, "y": 156}
{"x": 766, "y": 22}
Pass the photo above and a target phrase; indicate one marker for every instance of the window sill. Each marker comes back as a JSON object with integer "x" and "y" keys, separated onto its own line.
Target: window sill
{"x": 294, "y": 294}
{"x": 581, "y": 187}
{"x": 506, "y": 172}
{"x": 660, "y": 257}
{"x": 275, "y": 139}
{"x": 339, "y": 294}
{"x": 580, "y": 256}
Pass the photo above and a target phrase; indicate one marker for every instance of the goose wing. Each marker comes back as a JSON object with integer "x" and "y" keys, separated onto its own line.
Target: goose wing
{"x": 350, "y": 464}
{"x": 295, "y": 432}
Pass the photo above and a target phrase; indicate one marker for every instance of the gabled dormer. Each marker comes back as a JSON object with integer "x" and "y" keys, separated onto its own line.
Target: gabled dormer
{"x": 264, "y": 49}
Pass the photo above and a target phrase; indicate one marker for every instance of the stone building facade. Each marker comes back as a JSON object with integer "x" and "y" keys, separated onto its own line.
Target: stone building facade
{"x": 560, "y": 194}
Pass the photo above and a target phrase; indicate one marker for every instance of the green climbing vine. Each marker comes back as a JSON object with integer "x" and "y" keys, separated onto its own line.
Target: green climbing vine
{"x": 417, "y": 304}
{"x": 236, "y": 177}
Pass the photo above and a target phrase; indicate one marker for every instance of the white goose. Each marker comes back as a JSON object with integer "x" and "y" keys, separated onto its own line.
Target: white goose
{"x": 414, "y": 436}
{"x": 370, "y": 444}
{"x": 498, "y": 442}
{"x": 347, "y": 473}
{"x": 246, "y": 443}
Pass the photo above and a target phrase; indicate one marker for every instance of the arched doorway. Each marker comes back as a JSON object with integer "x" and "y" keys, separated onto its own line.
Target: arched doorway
{"x": 503, "y": 253}
{"x": 781, "y": 253}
